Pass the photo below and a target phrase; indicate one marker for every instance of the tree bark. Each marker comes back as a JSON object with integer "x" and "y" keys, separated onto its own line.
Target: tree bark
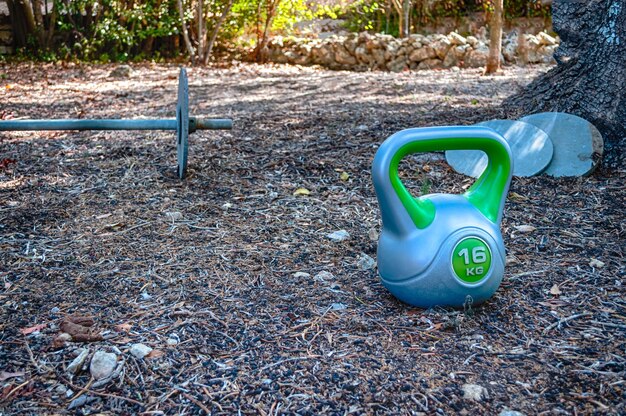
{"x": 272, "y": 8}
{"x": 216, "y": 30}
{"x": 398, "y": 4}
{"x": 201, "y": 30}
{"x": 406, "y": 21}
{"x": 495, "y": 38}
{"x": 590, "y": 77}
{"x": 190, "y": 50}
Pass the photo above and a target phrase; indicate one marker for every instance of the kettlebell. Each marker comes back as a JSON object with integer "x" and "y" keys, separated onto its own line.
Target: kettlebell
{"x": 442, "y": 249}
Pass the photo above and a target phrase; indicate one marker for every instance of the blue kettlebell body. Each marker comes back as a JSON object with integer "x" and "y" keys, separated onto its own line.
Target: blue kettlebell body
{"x": 442, "y": 249}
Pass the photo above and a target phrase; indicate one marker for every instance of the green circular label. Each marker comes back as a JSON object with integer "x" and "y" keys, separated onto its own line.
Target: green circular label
{"x": 471, "y": 259}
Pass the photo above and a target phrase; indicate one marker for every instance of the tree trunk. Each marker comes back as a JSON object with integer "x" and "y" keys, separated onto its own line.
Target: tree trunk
{"x": 216, "y": 30}
{"x": 18, "y": 24}
{"x": 260, "y": 52}
{"x": 190, "y": 50}
{"x": 200, "y": 30}
{"x": 590, "y": 75}
{"x": 397, "y": 4}
{"x": 495, "y": 38}
{"x": 406, "y": 19}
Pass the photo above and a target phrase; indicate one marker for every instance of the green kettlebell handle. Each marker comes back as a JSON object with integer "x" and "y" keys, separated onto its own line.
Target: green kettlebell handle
{"x": 487, "y": 194}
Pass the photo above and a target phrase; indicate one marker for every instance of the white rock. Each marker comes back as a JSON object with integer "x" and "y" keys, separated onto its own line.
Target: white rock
{"x": 174, "y": 215}
{"x": 508, "y": 412}
{"x": 140, "y": 350}
{"x": 422, "y": 54}
{"x": 102, "y": 364}
{"x": 298, "y": 275}
{"x": 171, "y": 342}
{"x": 474, "y": 392}
{"x": 338, "y": 236}
{"x": 546, "y": 39}
{"x": 365, "y": 262}
{"x": 323, "y": 276}
{"x": 77, "y": 363}
{"x": 457, "y": 39}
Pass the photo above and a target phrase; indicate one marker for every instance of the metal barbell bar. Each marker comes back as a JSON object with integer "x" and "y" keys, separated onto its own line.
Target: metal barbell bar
{"x": 183, "y": 124}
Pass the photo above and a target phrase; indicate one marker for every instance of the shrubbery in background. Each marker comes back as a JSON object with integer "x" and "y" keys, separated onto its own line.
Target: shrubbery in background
{"x": 123, "y": 30}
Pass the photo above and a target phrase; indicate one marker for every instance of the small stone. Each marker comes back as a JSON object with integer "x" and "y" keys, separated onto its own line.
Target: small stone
{"x": 140, "y": 350}
{"x": 457, "y": 39}
{"x": 102, "y": 364}
{"x": 122, "y": 71}
{"x": 508, "y": 412}
{"x": 69, "y": 393}
{"x": 372, "y": 234}
{"x": 365, "y": 262}
{"x": 299, "y": 275}
{"x": 171, "y": 342}
{"x": 81, "y": 401}
{"x": 474, "y": 392}
{"x": 338, "y": 236}
{"x": 174, "y": 216}
{"x": 546, "y": 39}
{"x": 77, "y": 363}
{"x": 60, "y": 389}
{"x": 338, "y": 307}
{"x": 55, "y": 310}
{"x": 595, "y": 263}
{"x": 323, "y": 276}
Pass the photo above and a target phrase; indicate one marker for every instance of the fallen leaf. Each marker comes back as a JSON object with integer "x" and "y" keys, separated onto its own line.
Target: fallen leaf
{"x": 525, "y": 228}
{"x": 6, "y": 375}
{"x": 596, "y": 263}
{"x": 155, "y": 354}
{"x": 344, "y": 176}
{"x": 302, "y": 191}
{"x": 26, "y": 331}
{"x": 514, "y": 196}
{"x": 79, "y": 327}
{"x": 125, "y": 327}
{"x": 554, "y": 290}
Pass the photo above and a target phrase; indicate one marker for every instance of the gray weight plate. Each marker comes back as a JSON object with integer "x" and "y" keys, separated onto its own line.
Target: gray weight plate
{"x": 182, "y": 123}
{"x": 578, "y": 145}
{"x": 467, "y": 162}
{"x": 531, "y": 147}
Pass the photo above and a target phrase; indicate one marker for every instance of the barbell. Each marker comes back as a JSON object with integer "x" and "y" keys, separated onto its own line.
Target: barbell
{"x": 183, "y": 124}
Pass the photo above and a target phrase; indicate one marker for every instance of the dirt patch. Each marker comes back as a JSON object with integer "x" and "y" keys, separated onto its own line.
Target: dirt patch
{"x": 232, "y": 281}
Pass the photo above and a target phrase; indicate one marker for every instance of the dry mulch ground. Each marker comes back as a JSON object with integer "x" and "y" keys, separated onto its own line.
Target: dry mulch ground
{"x": 232, "y": 281}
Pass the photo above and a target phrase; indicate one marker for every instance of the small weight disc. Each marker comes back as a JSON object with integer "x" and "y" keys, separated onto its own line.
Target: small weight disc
{"x": 530, "y": 146}
{"x": 182, "y": 123}
{"x": 467, "y": 162}
{"x": 578, "y": 145}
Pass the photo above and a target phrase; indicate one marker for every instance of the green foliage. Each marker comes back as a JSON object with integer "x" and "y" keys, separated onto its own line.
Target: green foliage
{"x": 113, "y": 30}
{"x": 366, "y": 15}
{"x": 381, "y": 16}
{"x": 131, "y": 30}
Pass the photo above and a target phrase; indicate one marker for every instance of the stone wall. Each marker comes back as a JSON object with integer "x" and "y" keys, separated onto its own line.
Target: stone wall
{"x": 365, "y": 51}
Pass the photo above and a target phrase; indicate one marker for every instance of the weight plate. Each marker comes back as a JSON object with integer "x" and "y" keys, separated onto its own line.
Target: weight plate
{"x": 578, "y": 145}
{"x": 531, "y": 147}
{"x": 182, "y": 123}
